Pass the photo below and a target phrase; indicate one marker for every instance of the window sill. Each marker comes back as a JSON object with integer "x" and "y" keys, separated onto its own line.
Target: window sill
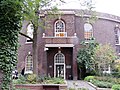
{"x": 59, "y": 37}
{"x": 28, "y": 42}
{"x": 119, "y": 54}
{"x": 117, "y": 44}
{"x": 28, "y": 72}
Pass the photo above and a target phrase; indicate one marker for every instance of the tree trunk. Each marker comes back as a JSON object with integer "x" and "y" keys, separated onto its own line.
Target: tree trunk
{"x": 1, "y": 79}
{"x": 83, "y": 71}
{"x": 35, "y": 52}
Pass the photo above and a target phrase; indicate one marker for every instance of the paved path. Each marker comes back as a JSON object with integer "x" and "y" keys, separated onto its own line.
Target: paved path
{"x": 79, "y": 84}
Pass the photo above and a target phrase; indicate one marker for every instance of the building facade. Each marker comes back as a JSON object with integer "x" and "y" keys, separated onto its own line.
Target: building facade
{"x": 59, "y": 42}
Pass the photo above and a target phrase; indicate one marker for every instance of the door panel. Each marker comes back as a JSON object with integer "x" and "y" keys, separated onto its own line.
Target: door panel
{"x": 60, "y": 71}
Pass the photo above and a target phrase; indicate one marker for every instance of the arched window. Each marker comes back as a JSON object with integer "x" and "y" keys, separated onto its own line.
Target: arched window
{"x": 59, "y": 28}
{"x": 29, "y": 64}
{"x": 30, "y": 32}
{"x": 88, "y": 31}
{"x": 59, "y": 65}
{"x": 59, "y": 58}
{"x": 117, "y": 35}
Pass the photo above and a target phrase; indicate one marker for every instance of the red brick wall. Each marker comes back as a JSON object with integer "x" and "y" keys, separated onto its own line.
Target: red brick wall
{"x": 30, "y": 87}
{"x": 42, "y": 87}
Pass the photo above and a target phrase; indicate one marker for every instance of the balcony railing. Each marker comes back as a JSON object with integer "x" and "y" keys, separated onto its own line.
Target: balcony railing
{"x": 60, "y": 38}
{"x": 60, "y": 34}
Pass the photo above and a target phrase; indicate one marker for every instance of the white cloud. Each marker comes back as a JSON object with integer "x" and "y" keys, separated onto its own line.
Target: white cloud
{"x": 106, "y": 6}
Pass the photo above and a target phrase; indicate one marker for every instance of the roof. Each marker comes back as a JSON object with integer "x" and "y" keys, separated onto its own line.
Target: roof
{"x": 86, "y": 13}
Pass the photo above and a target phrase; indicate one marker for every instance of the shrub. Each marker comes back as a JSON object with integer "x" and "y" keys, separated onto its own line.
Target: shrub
{"x": 40, "y": 79}
{"x": 71, "y": 88}
{"x": 102, "y": 84}
{"x": 82, "y": 89}
{"x": 58, "y": 81}
{"x": 116, "y": 87}
{"x": 31, "y": 78}
{"x": 19, "y": 89}
{"x": 78, "y": 89}
{"x": 108, "y": 79}
{"x": 20, "y": 80}
{"x": 116, "y": 74}
{"x": 55, "y": 81}
{"x": 89, "y": 78}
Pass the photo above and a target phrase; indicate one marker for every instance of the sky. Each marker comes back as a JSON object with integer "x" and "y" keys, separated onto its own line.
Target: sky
{"x": 106, "y": 6}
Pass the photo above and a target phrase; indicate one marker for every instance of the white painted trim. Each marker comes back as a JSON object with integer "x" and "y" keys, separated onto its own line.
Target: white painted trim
{"x": 52, "y": 37}
{"x": 89, "y": 29}
{"x": 62, "y": 12}
{"x": 57, "y": 33}
{"x": 59, "y": 64}
{"x": 61, "y": 22}
{"x": 59, "y": 45}
{"x": 28, "y": 71}
{"x": 55, "y": 69}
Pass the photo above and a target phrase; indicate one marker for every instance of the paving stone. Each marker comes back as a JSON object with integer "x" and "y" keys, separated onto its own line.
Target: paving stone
{"x": 79, "y": 84}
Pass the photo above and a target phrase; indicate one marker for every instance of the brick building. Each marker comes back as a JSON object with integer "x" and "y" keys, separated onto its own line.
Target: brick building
{"x": 59, "y": 42}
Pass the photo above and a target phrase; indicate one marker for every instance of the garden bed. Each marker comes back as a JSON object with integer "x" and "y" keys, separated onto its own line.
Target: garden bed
{"x": 42, "y": 86}
{"x": 31, "y": 82}
{"x": 97, "y": 88}
{"x": 103, "y": 83}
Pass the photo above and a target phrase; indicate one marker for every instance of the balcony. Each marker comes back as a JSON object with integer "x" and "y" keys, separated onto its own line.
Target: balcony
{"x": 60, "y": 38}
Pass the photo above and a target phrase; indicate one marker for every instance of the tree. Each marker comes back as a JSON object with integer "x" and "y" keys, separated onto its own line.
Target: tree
{"x": 116, "y": 71}
{"x": 89, "y": 6}
{"x": 31, "y": 13}
{"x": 10, "y": 18}
{"x": 85, "y": 58}
{"x": 104, "y": 57}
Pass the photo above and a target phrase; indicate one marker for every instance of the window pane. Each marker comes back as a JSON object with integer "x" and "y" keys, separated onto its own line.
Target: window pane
{"x": 59, "y": 58}
{"x": 88, "y": 31}
{"x": 30, "y": 32}
{"x": 29, "y": 64}
{"x": 59, "y": 26}
{"x": 117, "y": 35}
{"x": 60, "y": 29}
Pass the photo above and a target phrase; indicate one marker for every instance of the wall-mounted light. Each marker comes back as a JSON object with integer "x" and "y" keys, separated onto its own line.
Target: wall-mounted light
{"x": 75, "y": 34}
{"x": 116, "y": 25}
{"x": 45, "y": 48}
{"x": 29, "y": 53}
{"x": 43, "y": 34}
{"x": 50, "y": 66}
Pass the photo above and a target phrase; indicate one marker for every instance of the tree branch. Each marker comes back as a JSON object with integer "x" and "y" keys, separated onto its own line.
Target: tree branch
{"x": 47, "y": 3}
{"x": 25, "y": 36}
{"x": 62, "y": 1}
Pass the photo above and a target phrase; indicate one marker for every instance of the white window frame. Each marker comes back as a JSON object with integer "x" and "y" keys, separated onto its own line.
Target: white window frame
{"x": 107, "y": 69}
{"x": 118, "y": 34}
{"x": 63, "y": 63}
{"x": 90, "y": 31}
{"x": 29, "y": 32}
{"x": 26, "y": 65}
{"x": 58, "y": 32}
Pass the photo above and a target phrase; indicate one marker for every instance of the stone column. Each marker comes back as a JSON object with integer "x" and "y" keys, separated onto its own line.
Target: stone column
{"x": 75, "y": 75}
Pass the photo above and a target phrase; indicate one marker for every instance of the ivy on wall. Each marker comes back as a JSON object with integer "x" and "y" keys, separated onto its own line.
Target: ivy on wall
{"x": 10, "y": 16}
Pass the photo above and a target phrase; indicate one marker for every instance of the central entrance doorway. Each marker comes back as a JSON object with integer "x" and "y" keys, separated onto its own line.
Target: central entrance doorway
{"x": 59, "y": 65}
